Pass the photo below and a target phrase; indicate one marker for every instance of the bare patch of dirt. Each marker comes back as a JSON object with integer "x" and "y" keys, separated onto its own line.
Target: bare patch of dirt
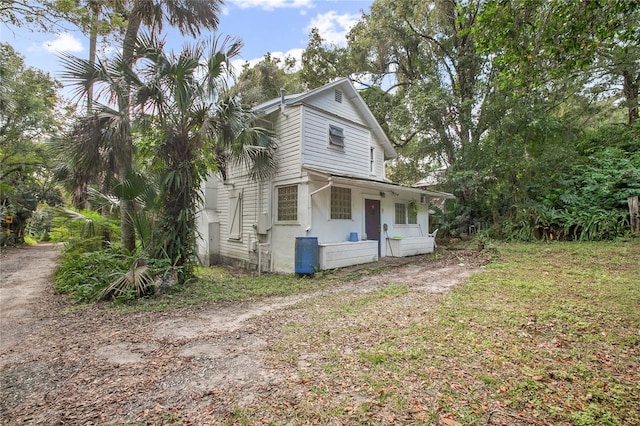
{"x": 60, "y": 365}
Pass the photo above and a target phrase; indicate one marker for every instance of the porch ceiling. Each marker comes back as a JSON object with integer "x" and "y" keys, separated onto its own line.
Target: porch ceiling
{"x": 376, "y": 185}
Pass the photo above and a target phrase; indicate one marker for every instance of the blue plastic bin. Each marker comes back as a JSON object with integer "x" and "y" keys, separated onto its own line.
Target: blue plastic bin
{"x": 307, "y": 257}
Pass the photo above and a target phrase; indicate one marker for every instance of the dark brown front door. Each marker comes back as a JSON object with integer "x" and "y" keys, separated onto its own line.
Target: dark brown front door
{"x": 372, "y": 220}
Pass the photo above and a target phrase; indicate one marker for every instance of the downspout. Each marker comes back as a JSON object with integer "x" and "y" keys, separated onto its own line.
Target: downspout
{"x": 310, "y": 212}
{"x": 270, "y": 231}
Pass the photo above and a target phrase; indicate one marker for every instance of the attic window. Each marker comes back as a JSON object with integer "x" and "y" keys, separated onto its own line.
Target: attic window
{"x": 338, "y": 96}
{"x": 336, "y": 136}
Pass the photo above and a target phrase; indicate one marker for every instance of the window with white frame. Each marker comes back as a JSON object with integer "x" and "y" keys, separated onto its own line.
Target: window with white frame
{"x": 288, "y": 203}
{"x": 401, "y": 214}
{"x": 412, "y": 214}
{"x": 336, "y": 136}
{"x": 372, "y": 157}
{"x": 406, "y": 214}
{"x": 340, "y": 203}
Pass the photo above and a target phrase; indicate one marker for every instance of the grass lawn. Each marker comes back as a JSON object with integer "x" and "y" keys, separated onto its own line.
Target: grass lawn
{"x": 548, "y": 334}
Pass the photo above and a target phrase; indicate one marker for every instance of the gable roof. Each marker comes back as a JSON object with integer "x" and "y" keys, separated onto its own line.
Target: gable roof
{"x": 435, "y": 177}
{"x": 351, "y": 93}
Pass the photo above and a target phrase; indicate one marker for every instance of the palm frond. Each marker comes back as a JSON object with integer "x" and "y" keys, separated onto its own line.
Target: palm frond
{"x": 190, "y": 17}
{"x": 88, "y": 226}
{"x": 101, "y": 201}
{"x": 220, "y": 52}
{"x": 131, "y": 187}
{"x": 258, "y": 153}
{"x": 136, "y": 281}
{"x": 82, "y": 73}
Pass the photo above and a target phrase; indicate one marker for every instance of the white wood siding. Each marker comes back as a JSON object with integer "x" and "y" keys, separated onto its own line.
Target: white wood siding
{"x": 353, "y": 159}
{"x": 410, "y": 246}
{"x": 288, "y": 133}
{"x": 255, "y": 201}
{"x": 302, "y": 133}
{"x": 326, "y": 102}
{"x": 337, "y": 255}
{"x": 283, "y": 235}
{"x": 379, "y": 170}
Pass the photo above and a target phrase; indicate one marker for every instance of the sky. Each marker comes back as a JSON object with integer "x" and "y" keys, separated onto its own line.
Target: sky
{"x": 280, "y": 27}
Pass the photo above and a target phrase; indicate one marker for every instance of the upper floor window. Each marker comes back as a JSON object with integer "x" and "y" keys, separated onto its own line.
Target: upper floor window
{"x": 288, "y": 203}
{"x": 336, "y": 136}
{"x": 340, "y": 203}
{"x": 372, "y": 157}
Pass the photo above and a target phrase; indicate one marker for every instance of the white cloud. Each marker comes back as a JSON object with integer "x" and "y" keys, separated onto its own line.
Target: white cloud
{"x": 293, "y": 53}
{"x": 272, "y": 4}
{"x": 64, "y": 42}
{"x": 333, "y": 27}
{"x": 237, "y": 64}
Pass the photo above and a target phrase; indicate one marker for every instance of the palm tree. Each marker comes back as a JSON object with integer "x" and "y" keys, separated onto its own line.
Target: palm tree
{"x": 189, "y": 17}
{"x": 195, "y": 118}
{"x": 84, "y": 158}
{"x": 96, "y": 143}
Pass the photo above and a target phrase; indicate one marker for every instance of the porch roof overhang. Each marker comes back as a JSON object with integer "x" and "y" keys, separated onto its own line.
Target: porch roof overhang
{"x": 373, "y": 184}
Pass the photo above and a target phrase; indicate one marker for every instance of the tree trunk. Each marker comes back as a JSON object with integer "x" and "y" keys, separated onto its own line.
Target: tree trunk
{"x": 125, "y": 154}
{"x": 635, "y": 216}
{"x": 93, "y": 39}
{"x": 630, "y": 85}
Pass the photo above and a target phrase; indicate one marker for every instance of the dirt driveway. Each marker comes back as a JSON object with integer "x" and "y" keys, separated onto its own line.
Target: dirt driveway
{"x": 65, "y": 365}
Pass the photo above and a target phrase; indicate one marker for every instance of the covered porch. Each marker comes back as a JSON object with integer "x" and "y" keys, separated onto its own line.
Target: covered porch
{"x": 386, "y": 219}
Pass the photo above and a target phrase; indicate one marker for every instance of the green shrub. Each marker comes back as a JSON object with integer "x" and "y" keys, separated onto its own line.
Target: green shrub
{"x": 88, "y": 275}
{"x": 84, "y": 225}
{"x": 84, "y": 274}
{"x": 39, "y": 225}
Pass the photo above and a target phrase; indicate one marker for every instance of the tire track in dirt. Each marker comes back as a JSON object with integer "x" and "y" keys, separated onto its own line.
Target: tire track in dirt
{"x": 98, "y": 366}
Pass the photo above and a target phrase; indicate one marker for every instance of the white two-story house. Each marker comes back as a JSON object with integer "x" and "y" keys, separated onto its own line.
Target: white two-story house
{"x": 328, "y": 205}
